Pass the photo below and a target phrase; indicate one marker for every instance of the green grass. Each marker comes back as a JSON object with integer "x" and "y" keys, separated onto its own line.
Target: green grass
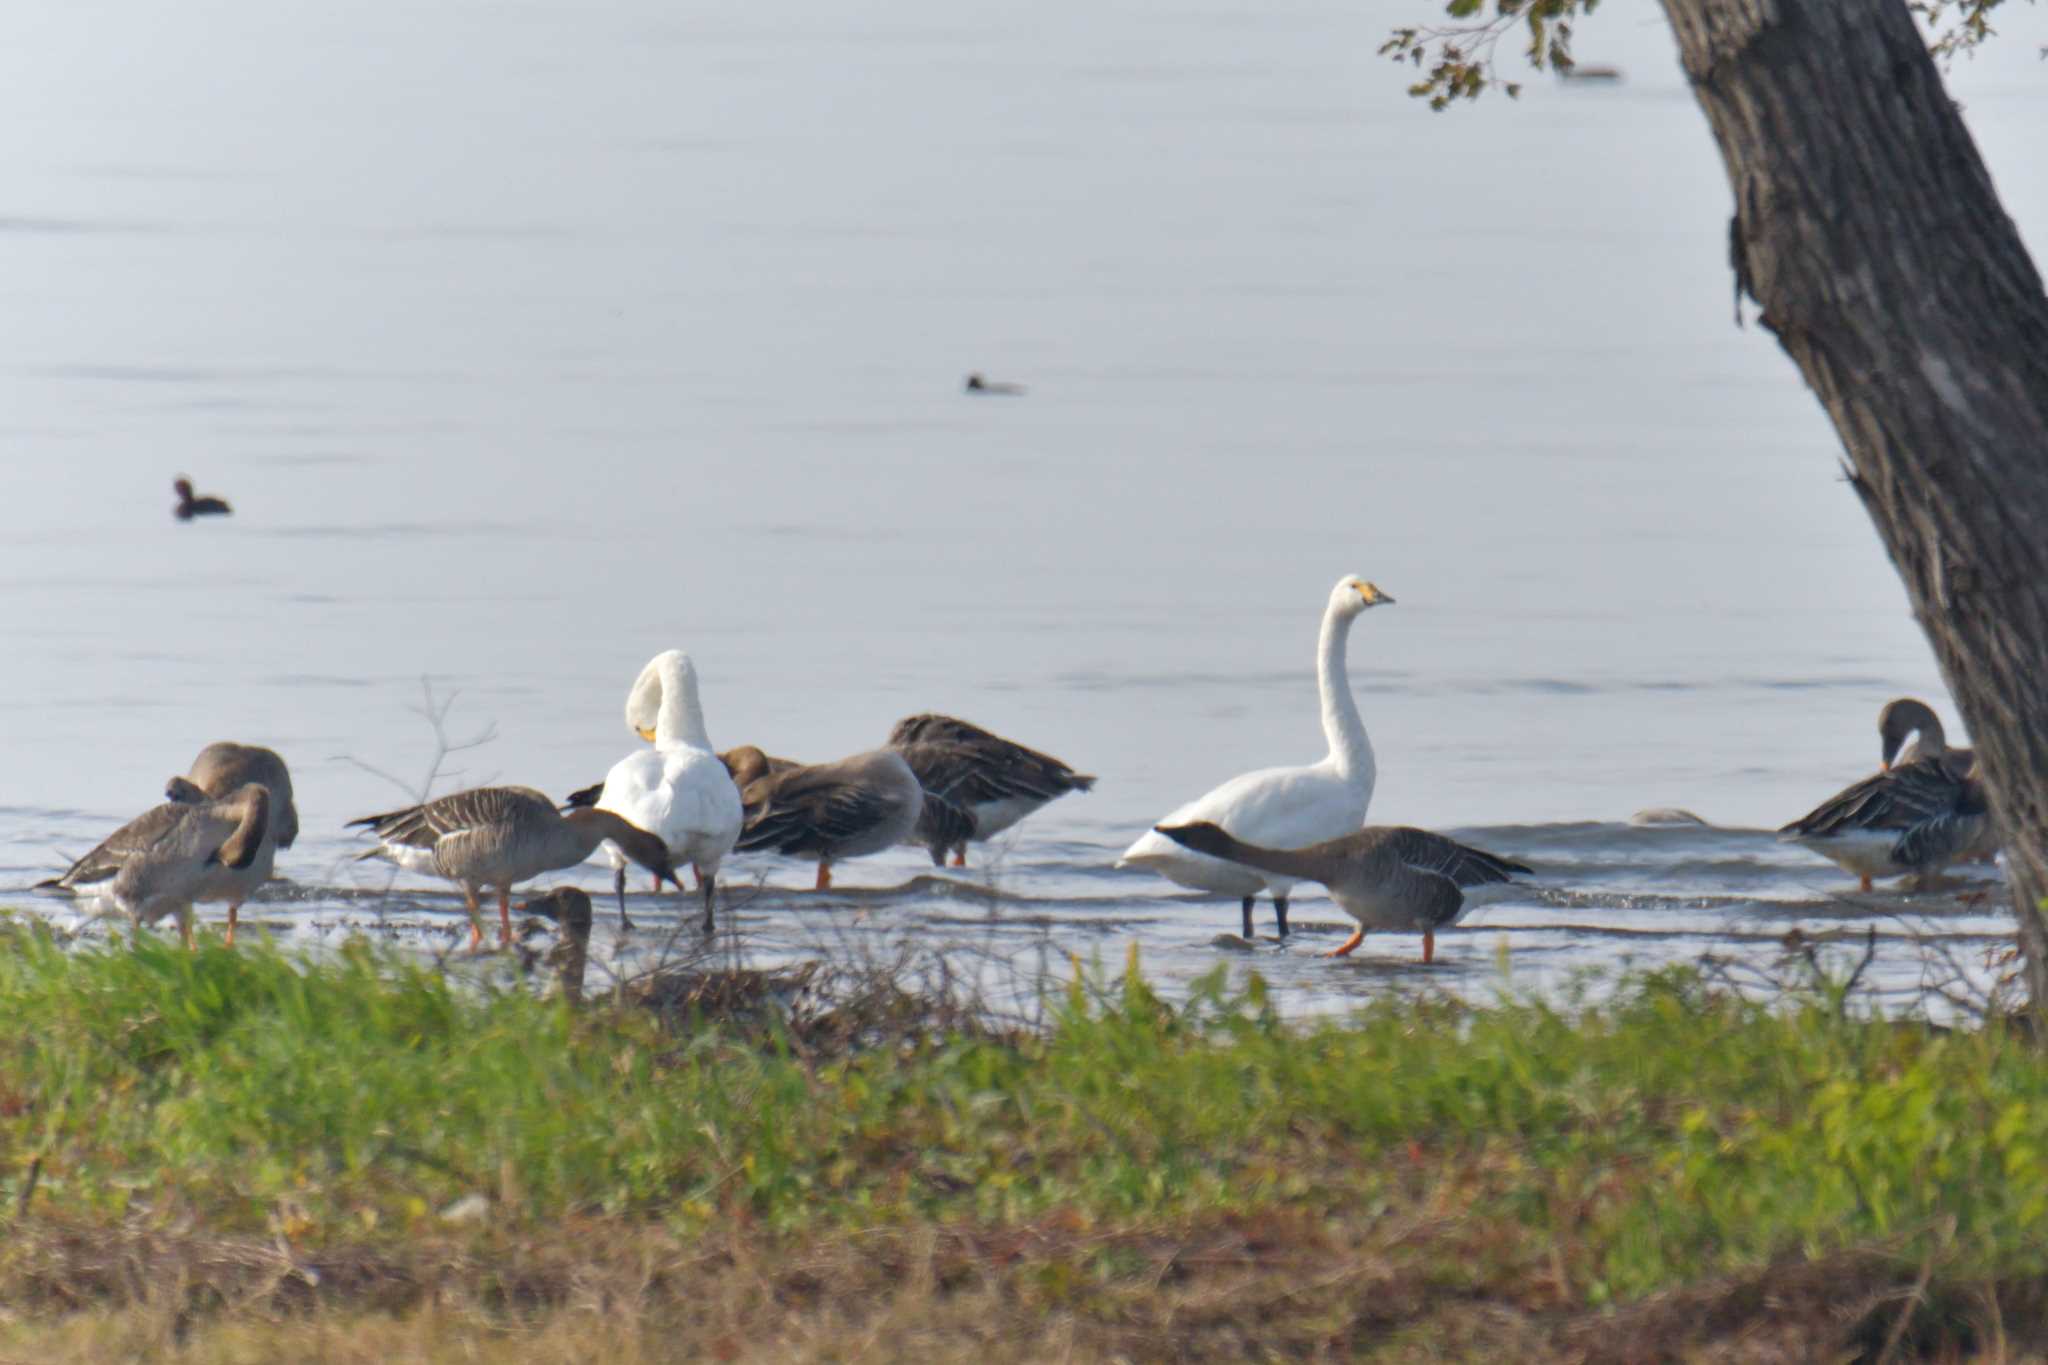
{"x": 1663, "y": 1137}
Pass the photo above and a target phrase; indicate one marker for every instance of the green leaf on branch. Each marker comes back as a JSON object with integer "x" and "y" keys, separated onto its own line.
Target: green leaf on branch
{"x": 1457, "y": 56}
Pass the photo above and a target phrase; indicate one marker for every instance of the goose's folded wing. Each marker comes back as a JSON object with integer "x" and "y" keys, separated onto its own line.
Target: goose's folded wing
{"x": 1423, "y": 851}
{"x": 983, "y": 774}
{"x": 425, "y": 825}
{"x": 801, "y": 815}
{"x": 1954, "y": 833}
{"x": 1905, "y": 795}
{"x": 930, "y": 727}
{"x": 147, "y": 831}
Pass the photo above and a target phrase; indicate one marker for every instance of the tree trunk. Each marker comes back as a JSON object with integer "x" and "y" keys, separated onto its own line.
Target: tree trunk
{"x": 1868, "y": 232}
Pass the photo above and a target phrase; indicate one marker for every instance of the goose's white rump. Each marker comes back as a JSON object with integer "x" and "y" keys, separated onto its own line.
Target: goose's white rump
{"x": 1283, "y": 807}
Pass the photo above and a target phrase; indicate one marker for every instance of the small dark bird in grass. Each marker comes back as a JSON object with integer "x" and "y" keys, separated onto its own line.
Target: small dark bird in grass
{"x": 977, "y": 384}
{"x": 190, "y": 506}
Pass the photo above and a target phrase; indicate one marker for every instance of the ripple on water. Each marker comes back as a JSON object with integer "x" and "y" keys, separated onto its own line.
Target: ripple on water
{"x": 1037, "y": 913}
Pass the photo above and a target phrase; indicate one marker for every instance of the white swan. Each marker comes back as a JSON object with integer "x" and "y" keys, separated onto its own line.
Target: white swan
{"x": 678, "y": 790}
{"x": 1283, "y": 808}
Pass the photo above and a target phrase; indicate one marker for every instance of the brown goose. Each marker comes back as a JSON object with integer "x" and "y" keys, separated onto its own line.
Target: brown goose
{"x": 225, "y": 765}
{"x": 1385, "y": 877}
{"x": 1913, "y": 818}
{"x": 1962, "y": 831}
{"x": 827, "y": 811}
{"x": 499, "y": 837}
{"x": 221, "y": 768}
{"x": 168, "y": 858}
{"x": 569, "y": 908}
{"x": 991, "y": 781}
{"x": 189, "y": 506}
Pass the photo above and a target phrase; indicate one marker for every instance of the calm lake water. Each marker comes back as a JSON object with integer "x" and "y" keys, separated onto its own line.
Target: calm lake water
{"x": 531, "y": 339}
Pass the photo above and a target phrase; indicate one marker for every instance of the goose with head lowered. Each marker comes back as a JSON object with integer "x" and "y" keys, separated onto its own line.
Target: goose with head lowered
{"x": 977, "y": 784}
{"x": 1282, "y": 807}
{"x": 499, "y": 837}
{"x": 678, "y": 791}
{"x": 1389, "y": 877}
{"x": 1912, "y": 819}
{"x": 181, "y": 852}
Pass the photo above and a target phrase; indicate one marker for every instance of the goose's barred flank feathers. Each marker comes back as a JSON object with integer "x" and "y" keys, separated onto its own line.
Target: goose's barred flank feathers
{"x": 501, "y": 836}
{"x": 1940, "y": 841}
{"x": 942, "y": 826}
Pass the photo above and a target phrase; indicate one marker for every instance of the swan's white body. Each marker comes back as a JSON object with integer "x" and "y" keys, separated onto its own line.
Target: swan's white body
{"x": 677, "y": 791}
{"x": 1284, "y": 808}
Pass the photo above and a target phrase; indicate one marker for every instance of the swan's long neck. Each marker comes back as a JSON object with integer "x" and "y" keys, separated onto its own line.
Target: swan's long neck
{"x": 1342, "y": 726}
{"x": 681, "y": 718}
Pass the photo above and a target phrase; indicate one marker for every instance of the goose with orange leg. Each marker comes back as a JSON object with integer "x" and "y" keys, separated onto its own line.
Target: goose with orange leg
{"x": 497, "y": 837}
{"x": 183, "y": 851}
{"x": 1385, "y": 877}
{"x": 219, "y": 772}
{"x": 1911, "y": 819}
{"x": 825, "y": 811}
{"x": 981, "y": 783}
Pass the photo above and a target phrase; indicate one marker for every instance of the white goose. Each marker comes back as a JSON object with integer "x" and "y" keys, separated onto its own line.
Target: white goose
{"x": 678, "y": 790}
{"x": 1283, "y": 808}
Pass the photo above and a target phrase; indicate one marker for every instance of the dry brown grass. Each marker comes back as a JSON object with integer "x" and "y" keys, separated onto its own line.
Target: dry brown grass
{"x": 1413, "y": 1285}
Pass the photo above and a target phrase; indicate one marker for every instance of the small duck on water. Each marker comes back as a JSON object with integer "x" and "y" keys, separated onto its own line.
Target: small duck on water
{"x": 976, "y": 383}
{"x": 190, "y": 506}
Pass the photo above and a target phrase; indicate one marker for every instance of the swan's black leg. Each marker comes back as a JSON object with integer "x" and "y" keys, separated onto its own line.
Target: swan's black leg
{"x": 1280, "y": 914}
{"x": 710, "y": 886}
{"x": 1248, "y": 916}
{"x": 619, "y": 886}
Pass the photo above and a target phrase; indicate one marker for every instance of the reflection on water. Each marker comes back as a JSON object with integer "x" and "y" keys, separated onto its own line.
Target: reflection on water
{"x": 528, "y": 342}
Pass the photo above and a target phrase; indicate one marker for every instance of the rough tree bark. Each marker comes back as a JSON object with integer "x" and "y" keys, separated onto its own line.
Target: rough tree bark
{"x": 1868, "y": 232}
